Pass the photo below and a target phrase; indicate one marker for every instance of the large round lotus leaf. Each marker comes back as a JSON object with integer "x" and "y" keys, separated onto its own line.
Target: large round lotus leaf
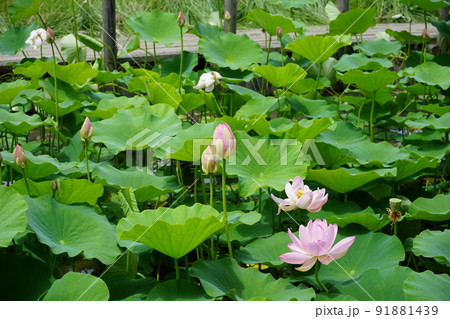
{"x": 305, "y": 130}
{"x": 345, "y": 135}
{"x": 344, "y": 180}
{"x": 427, "y": 5}
{"x": 177, "y": 290}
{"x": 172, "y": 65}
{"x": 38, "y": 166}
{"x": 343, "y": 214}
{"x": 106, "y": 108}
{"x": 12, "y": 215}
{"x": 73, "y": 73}
{"x": 122, "y": 286}
{"x": 225, "y": 278}
{"x": 270, "y": 22}
{"x": 432, "y": 74}
{"x": 355, "y": 21}
{"x": 78, "y": 287}
{"x": 363, "y": 255}
{"x": 171, "y": 231}
{"x": 293, "y": 3}
{"x": 372, "y": 81}
{"x": 156, "y": 26}
{"x": 261, "y": 162}
{"x": 70, "y": 191}
{"x": 20, "y": 9}
{"x": 264, "y": 250}
{"x": 19, "y": 122}
{"x": 13, "y": 40}
{"x": 281, "y": 76}
{"x": 377, "y": 154}
{"x": 433, "y": 244}
{"x": 230, "y": 50}
{"x": 64, "y": 107}
{"x": 138, "y": 128}
{"x": 23, "y": 277}
{"x": 442, "y": 123}
{"x": 72, "y": 229}
{"x": 377, "y": 285}
{"x": 407, "y": 168}
{"x": 9, "y": 91}
{"x": 317, "y": 48}
{"x": 257, "y": 107}
{"x": 145, "y": 186}
{"x": 443, "y": 27}
{"x": 361, "y": 61}
{"x": 379, "y": 47}
{"x": 427, "y": 286}
{"x": 312, "y": 108}
{"x": 434, "y": 209}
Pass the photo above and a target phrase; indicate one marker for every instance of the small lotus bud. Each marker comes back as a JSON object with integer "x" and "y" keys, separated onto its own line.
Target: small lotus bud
{"x": 86, "y": 130}
{"x": 181, "y": 21}
{"x": 19, "y": 157}
{"x": 50, "y": 35}
{"x": 279, "y": 32}
{"x": 425, "y": 33}
{"x": 227, "y": 15}
{"x": 224, "y": 141}
{"x": 160, "y": 66}
{"x": 209, "y": 160}
{"x": 263, "y": 30}
{"x": 54, "y": 186}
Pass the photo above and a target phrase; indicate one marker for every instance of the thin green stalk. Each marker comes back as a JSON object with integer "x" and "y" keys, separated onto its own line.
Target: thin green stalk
{"x": 186, "y": 262}
{"x": 195, "y": 185}
{"x": 179, "y": 173}
{"x": 86, "y": 158}
{"x": 56, "y": 98}
{"x": 202, "y": 180}
{"x": 75, "y": 29}
{"x": 264, "y": 83}
{"x": 317, "y": 81}
{"x": 260, "y": 199}
{"x": 26, "y": 181}
{"x": 177, "y": 269}
{"x": 127, "y": 266}
{"x": 316, "y": 274}
{"x": 211, "y": 203}
{"x": 225, "y": 214}
{"x": 146, "y": 54}
{"x": 371, "y": 117}
{"x": 181, "y": 60}
{"x": 155, "y": 59}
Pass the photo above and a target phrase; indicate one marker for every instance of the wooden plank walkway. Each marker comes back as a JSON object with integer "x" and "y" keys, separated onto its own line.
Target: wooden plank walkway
{"x": 190, "y": 42}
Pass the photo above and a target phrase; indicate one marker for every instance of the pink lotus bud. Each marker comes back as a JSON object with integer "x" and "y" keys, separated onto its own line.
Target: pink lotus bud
{"x": 50, "y": 35}
{"x": 224, "y": 141}
{"x": 227, "y": 15}
{"x": 54, "y": 186}
{"x": 19, "y": 157}
{"x": 279, "y": 32}
{"x": 86, "y": 130}
{"x": 210, "y": 160}
{"x": 181, "y": 21}
{"x": 425, "y": 33}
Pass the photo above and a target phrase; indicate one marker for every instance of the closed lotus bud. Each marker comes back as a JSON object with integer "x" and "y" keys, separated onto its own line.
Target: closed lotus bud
{"x": 181, "y": 21}
{"x": 86, "y": 130}
{"x": 54, "y": 186}
{"x": 1, "y": 158}
{"x": 227, "y": 15}
{"x": 209, "y": 160}
{"x": 19, "y": 157}
{"x": 425, "y": 33}
{"x": 279, "y": 32}
{"x": 224, "y": 141}
{"x": 50, "y": 35}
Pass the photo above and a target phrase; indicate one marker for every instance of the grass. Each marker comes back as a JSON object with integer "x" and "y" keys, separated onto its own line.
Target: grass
{"x": 58, "y": 14}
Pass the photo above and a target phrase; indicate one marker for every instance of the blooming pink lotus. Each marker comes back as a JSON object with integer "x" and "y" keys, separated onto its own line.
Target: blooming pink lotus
{"x": 314, "y": 243}
{"x": 300, "y": 196}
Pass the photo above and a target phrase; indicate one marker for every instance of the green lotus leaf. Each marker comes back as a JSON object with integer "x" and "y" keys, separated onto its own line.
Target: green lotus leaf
{"x": 293, "y": 3}
{"x": 225, "y": 277}
{"x": 379, "y": 47}
{"x": 108, "y": 77}
{"x": 281, "y": 76}
{"x": 372, "y": 81}
{"x": 270, "y": 22}
{"x": 20, "y": 9}
{"x": 245, "y": 93}
{"x": 207, "y": 30}
{"x": 427, "y": 5}
{"x": 137, "y": 128}
{"x": 280, "y": 125}
{"x": 122, "y": 286}
{"x": 432, "y": 74}
{"x": 10, "y": 90}
{"x": 377, "y": 284}
{"x": 172, "y": 231}
{"x": 343, "y": 214}
{"x": 346, "y": 135}
{"x": 78, "y": 287}
{"x": 433, "y": 244}
{"x": 312, "y": 108}
{"x": 344, "y": 180}
{"x": 261, "y": 163}
{"x": 74, "y": 73}
{"x": 19, "y": 122}
{"x": 377, "y": 154}
{"x": 178, "y": 290}
{"x": 443, "y": 27}
{"x": 164, "y": 93}
{"x": 436, "y": 109}
{"x": 23, "y": 277}
{"x": 305, "y": 130}
{"x": 38, "y": 166}
{"x": 106, "y": 108}
{"x": 12, "y": 215}
{"x": 156, "y": 26}
{"x": 334, "y": 157}
{"x": 230, "y": 50}
{"x": 69, "y": 191}
{"x": 172, "y": 65}
{"x": 426, "y": 286}
{"x": 236, "y": 218}
{"x": 435, "y": 209}
{"x": 257, "y": 107}
{"x": 361, "y": 257}
{"x": 317, "y": 48}
{"x": 264, "y": 250}
{"x": 407, "y": 168}
{"x": 361, "y": 61}
{"x": 64, "y": 107}
{"x": 355, "y": 21}
{"x": 13, "y": 40}
{"x": 145, "y": 186}
{"x": 433, "y": 149}
{"x": 405, "y": 36}
{"x": 72, "y": 229}
{"x": 72, "y": 50}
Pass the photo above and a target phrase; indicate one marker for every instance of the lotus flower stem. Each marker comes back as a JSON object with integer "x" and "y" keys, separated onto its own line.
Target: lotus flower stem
{"x": 316, "y": 273}
{"x": 181, "y": 60}
{"x": 211, "y": 203}
{"x": 186, "y": 262}
{"x": 177, "y": 269}
{"x": 75, "y": 28}
{"x": 225, "y": 214}
{"x": 371, "y": 117}
{"x": 317, "y": 80}
{"x": 259, "y": 202}
{"x": 146, "y": 54}
{"x": 179, "y": 174}
{"x": 86, "y": 158}
{"x": 195, "y": 184}
{"x": 56, "y": 97}
{"x": 26, "y": 181}
{"x": 155, "y": 59}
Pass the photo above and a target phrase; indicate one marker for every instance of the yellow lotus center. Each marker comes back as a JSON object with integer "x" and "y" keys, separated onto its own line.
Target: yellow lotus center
{"x": 300, "y": 193}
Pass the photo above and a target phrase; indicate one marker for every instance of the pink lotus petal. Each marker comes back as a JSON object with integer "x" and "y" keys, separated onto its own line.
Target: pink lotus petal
{"x": 307, "y": 265}
{"x": 304, "y": 236}
{"x": 290, "y": 192}
{"x": 316, "y": 248}
{"x": 304, "y": 201}
{"x": 329, "y": 236}
{"x": 295, "y": 240}
{"x": 340, "y": 249}
{"x": 294, "y": 258}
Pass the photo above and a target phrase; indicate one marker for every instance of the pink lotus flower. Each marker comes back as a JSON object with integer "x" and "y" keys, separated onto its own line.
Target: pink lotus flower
{"x": 19, "y": 157}
{"x": 209, "y": 160}
{"x": 314, "y": 243}
{"x": 86, "y": 130}
{"x": 224, "y": 141}
{"x": 300, "y": 196}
